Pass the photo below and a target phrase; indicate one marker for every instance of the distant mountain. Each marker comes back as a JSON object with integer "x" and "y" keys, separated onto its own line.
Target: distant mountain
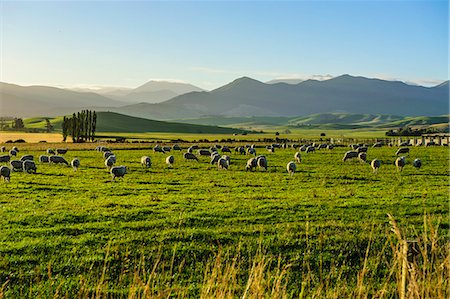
{"x": 153, "y": 92}
{"x": 22, "y": 101}
{"x": 344, "y": 94}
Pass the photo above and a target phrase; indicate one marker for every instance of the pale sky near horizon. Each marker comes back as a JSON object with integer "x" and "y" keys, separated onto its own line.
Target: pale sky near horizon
{"x": 210, "y": 43}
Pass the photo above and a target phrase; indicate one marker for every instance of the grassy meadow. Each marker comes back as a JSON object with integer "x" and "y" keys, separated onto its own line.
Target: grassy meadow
{"x": 196, "y": 231}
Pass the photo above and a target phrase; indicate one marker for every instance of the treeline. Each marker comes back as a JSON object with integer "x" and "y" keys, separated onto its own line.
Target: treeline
{"x": 407, "y": 131}
{"x": 80, "y": 126}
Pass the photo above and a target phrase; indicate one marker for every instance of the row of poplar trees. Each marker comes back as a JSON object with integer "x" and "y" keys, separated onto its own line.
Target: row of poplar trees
{"x": 81, "y": 126}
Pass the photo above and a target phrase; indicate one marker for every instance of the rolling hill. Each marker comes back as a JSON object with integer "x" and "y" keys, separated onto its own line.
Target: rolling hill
{"x": 343, "y": 94}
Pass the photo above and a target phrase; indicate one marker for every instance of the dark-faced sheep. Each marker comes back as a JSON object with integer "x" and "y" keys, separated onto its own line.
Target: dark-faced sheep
{"x": 75, "y": 163}
{"x": 375, "y": 165}
{"x": 158, "y": 149}
{"x": 350, "y": 155}
{"x": 3, "y": 149}
{"x": 251, "y": 164}
{"x": 118, "y": 172}
{"x": 170, "y": 160}
{"x": 16, "y": 165}
{"x": 176, "y": 147}
{"x": 50, "y": 151}
{"x": 14, "y": 148}
{"x": 214, "y": 158}
{"x": 402, "y": 150}
{"x": 291, "y": 167}
{"x": 5, "y": 173}
{"x": 44, "y": 159}
{"x": 167, "y": 149}
{"x": 227, "y": 158}
{"x": 262, "y": 162}
{"x": 362, "y": 149}
{"x": 225, "y": 149}
{"x": 417, "y": 163}
{"x": 27, "y": 157}
{"x": 29, "y": 166}
{"x": 146, "y": 162}
{"x": 61, "y": 151}
{"x": 222, "y": 163}
{"x": 58, "y": 160}
{"x": 204, "y": 152}
{"x": 251, "y": 151}
{"x": 400, "y": 163}
{"x": 190, "y": 156}
{"x": 303, "y": 148}
{"x": 5, "y": 158}
{"x": 107, "y": 154}
{"x": 310, "y": 149}
{"x": 13, "y": 153}
{"x": 298, "y": 157}
{"x": 362, "y": 157}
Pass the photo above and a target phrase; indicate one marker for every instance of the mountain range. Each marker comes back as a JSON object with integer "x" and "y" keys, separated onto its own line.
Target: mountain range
{"x": 242, "y": 97}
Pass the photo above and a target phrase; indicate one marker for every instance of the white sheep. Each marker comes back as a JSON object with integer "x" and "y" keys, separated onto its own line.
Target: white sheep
{"x": 146, "y": 161}
{"x": 222, "y": 163}
{"x": 298, "y": 157}
{"x": 75, "y": 163}
{"x": 417, "y": 163}
{"x": 350, "y": 155}
{"x": 5, "y": 173}
{"x": 375, "y": 165}
{"x": 118, "y": 172}
{"x": 110, "y": 162}
{"x": 291, "y": 167}
{"x": 170, "y": 160}
{"x": 400, "y": 163}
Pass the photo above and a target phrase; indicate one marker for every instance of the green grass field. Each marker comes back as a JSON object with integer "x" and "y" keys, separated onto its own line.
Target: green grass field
{"x": 195, "y": 231}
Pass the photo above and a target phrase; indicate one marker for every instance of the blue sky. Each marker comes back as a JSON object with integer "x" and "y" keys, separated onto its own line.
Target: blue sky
{"x": 210, "y": 43}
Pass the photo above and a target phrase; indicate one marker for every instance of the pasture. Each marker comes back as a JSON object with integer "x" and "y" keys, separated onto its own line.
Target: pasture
{"x": 196, "y": 231}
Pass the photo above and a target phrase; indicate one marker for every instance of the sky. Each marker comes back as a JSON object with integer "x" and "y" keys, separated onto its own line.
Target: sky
{"x": 211, "y": 43}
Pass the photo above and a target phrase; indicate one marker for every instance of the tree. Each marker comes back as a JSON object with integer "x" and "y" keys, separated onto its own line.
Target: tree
{"x": 18, "y": 123}
{"x": 48, "y": 125}
{"x": 81, "y": 126}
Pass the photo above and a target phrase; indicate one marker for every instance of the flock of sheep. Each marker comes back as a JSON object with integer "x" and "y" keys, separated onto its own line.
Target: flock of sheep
{"x": 358, "y": 151}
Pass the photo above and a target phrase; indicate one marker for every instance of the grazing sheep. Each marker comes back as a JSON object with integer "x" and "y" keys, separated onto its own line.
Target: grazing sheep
{"x": 400, "y": 163}
{"x": 29, "y": 166}
{"x": 107, "y": 154}
{"x": 213, "y": 149}
{"x": 167, "y": 149}
{"x": 417, "y": 163}
{"x": 227, "y": 158}
{"x": 402, "y": 150}
{"x": 110, "y": 161}
{"x": 362, "y": 149}
{"x": 323, "y": 145}
{"x": 354, "y": 146}
{"x": 16, "y": 165}
{"x": 377, "y": 144}
{"x": 5, "y": 158}
{"x": 190, "y": 156}
{"x": 50, "y": 151}
{"x": 291, "y": 167}
{"x": 158, "y": 149}
{"x": 298, "y": 157}
{"x": 27, "y": 157}
{"x": 75, "y": 163}
{"x": 251, "y": 151}
{"x": 276, "y": 145}
{"x": 295, "y": 146}
{"x": 146, "y": 161}
{"x": 310, "y": 149}
{"x": 170, "y": 160}
{"x": 5, "y": 173}
{"x": 251, "y": 164}
{"x": 375, "y": 165}
{"x": 14, "y": 148}
{"x": 58, "y": 160}
{"x": 104, "y": 149}
{"x": 3, "y": 149}
{"x": 118, "y": 172}
{"x": 330, "y": 146}
{"x": 204, "y": 152}
{"x": 350, "y": 155}
{"x": 262, "y": 162}
{"x": 190, "y": 150}
{"x": 214, "y": 159}
{"x": 61, "y": 151}
{"x": 303, "y": 148}
{"x": 218, "y": 146}
{"x": 222, "y": 164}
{"x": 44, "y": 159}
{"x": 225, "y": 149}
{"x": 362, "y": 157}
{"x": 195, "y": 147}
{"x": 176, "y": 147}
{"x": 13, "y": 153}
{"x": 270, "y": 149}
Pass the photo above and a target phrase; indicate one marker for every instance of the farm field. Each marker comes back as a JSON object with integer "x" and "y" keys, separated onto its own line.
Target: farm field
{"x": 196, "y": 231}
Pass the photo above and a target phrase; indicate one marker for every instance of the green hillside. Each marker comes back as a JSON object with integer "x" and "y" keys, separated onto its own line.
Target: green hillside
{"x": 234, "y": 121}
{"x": 344, "y": 118}
{"x": 419, "y": 121}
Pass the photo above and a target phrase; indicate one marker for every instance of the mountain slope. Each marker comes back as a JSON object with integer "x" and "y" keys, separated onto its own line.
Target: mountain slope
{"x": 22, "y": 101}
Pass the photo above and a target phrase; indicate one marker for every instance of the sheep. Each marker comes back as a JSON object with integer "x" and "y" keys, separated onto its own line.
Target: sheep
{"x": 310, "y": 149}
{"x": 213, "y": 149}
{"x": 5, "y": 158}
{"x": 176, "y": 147}
{"x": 117, "y": 172}
{"x": 295, "y": 146}
{"x": 14, "y": 148}
{"x": 107, "y": 154}
{"x": 61, "y": 151}
{"x": 204, "y": 152}
{"x": 110, "y": 161}
{"x": 276, "y": 145}
{"x": 417, "y": 163}
{"x": 5, "y": 173}
{"x": 13, "y": 153}
{"x": 227, "y": 158}
{"x": 190, "y": 156}
{"x": 27, "y": 157}
{"x": 354, "y": 146}
{"x": 222, "y": 163}
{"x": 262, "y": 162}
{"x": 167, "y": 149}
{"x": 402, "y": 150}
{"x": 362, "y": 149}
{"x": 3, "y": 149}
{"x": 104, "y": 149}
{"x": 158, "y": 149}
{"x": 298, "y": 157}
{"x": 225, "y": 149}
{"x": 270, "y": 149}
{"x": 218, "y": 146}
{"x": 50, "y": 151}
{"x": 303, "y": 148}
{"x": 350, "y": 155}
{"x": 195, "y": 147}
{"x": 405, "y": 143}
{"x": 291, "y": 167}
{"x": 58, "y": 160}
{"x": 146, "y": 162}
{"x": 190, "y": 150}
{"x": 323, "y": 145}
{"x": 214, "y": 159}
{"x": 16, "y": 165}
{"x": 170, "y": 160}
{"x": 75, "y": 163}
{"x": 241, "y": 150}
{"x": 375, "y": 165}
{"x": 330, "y": 146}
{"x": 377, "y": 144}
{"x": 29, "y": 166}
{"x": 400, "y": 163}
{"x": 251, "y": 151}
{"x": 362, "y": 157}
{"x": 251, "y": 164}
{"x": 44, "y": 159}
